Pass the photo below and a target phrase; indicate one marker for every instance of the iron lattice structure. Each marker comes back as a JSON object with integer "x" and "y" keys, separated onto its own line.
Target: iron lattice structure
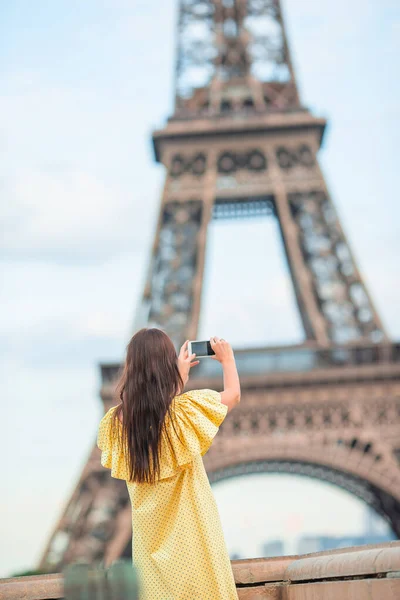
{"x": 232, "y": 55}
{"x": 240, "y": 144}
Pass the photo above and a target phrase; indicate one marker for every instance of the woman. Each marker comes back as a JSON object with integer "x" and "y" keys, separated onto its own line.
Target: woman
{"x": 154, "y": 440}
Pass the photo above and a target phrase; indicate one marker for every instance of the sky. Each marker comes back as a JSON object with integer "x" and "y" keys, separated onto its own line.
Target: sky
{"x": 82, "y": 86}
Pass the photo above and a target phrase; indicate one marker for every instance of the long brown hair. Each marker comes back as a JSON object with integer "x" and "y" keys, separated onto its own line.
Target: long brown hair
{"x": 149, "y": 381}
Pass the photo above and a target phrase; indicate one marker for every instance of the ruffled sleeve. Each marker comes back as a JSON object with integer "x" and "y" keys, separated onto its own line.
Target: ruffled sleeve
{"x": 112, "y": 455}
{"x": 201, "y": 412}
{"x": 196, "y": 418}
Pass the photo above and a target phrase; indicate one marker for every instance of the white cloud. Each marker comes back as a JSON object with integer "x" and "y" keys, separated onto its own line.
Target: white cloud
{"x": 66, "y": 214}
{"x": 73, "y": 315}
{"x": 102, "y": 324}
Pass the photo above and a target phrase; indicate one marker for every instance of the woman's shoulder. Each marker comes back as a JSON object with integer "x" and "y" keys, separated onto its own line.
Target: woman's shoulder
{"x": 108, "y": 427}
{"x": 197, "y": 404}
{"x": 199, "y": 414}
{"x": 109, "y": 442}
{"x": 198, "y": 396}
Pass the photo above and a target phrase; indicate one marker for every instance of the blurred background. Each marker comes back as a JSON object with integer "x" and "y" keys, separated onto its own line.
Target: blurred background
{"x": 82, "y": 85}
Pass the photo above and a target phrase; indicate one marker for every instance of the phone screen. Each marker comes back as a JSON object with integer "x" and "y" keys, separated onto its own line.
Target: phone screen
{"x": 202, "y": 348}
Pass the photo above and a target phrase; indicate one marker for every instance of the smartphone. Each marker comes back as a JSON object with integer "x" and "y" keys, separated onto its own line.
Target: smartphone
{"x": 200, "y": 349}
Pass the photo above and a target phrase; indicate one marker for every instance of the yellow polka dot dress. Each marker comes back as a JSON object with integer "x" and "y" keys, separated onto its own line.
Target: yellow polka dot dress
{"x": 178, "y": 544}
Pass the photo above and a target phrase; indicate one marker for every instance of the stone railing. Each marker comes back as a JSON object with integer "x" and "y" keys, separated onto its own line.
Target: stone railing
{"x": 357, "y": 573}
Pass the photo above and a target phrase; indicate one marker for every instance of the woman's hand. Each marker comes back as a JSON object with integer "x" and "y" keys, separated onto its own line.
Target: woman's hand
{"x": 223, "y": 350}
{"x": 185, "y": 362}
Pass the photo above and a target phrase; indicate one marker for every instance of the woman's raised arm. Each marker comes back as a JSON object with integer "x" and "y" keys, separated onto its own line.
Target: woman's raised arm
{"x": 224, "y": 354}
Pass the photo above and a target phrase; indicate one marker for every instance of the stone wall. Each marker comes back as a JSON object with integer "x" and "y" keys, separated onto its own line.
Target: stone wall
{"x": 357, "y": 573}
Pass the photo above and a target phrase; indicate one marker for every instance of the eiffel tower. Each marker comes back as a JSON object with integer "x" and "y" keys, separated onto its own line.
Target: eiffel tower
{"x": 241, "y": 144}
